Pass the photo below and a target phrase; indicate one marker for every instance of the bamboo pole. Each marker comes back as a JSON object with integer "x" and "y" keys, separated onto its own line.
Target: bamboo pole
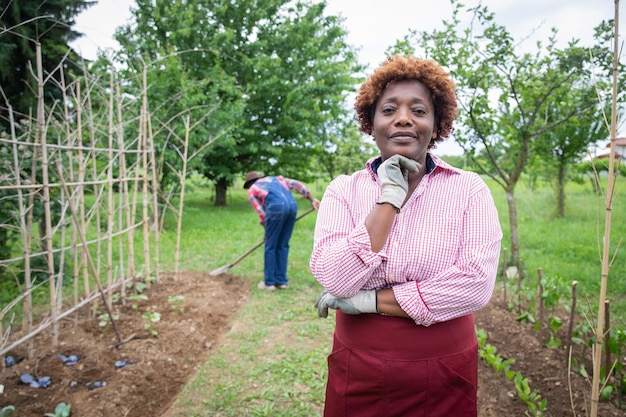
{"x": 595, "y": 384}
{"x": 80, "y": 197}
{"x": 570, "y": 326}
{"x": 155, "y": 198}
{"x": 144, "y": 164}
{"x": 182, "y": 195}
{"x": 29, "y": 227}
{"x": 110, "y": 196}
{"x": 46, "y": 195}
{"x": 607, "y": 338}
{"x": 124, "y": 213}
{"x": 74, "y": 236}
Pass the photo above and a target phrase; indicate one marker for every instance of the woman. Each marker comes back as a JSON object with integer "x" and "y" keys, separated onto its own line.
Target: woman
{"x": 406, "y": 250}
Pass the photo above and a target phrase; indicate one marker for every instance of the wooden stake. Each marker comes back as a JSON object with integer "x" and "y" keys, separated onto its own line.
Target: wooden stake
{"x": 570, "y": 328}
{"x": 504, "y": 276}
{"x": 519, "y": 286}
{"x": 607, "y": 338}
{"x": 542, "y": 336}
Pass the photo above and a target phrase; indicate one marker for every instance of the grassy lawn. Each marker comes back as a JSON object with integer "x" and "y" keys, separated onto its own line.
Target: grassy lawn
{"x": 273, "y": 361}
{"x": 257, "y": 373}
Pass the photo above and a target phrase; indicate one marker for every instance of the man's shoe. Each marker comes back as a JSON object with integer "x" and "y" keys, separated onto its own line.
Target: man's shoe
{"x": 262, "y": 286}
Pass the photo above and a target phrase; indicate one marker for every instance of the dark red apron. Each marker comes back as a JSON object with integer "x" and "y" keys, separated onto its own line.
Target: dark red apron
{"x": 384, "y": 366}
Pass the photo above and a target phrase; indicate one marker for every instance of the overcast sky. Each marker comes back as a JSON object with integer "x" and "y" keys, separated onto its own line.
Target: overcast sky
{"x": 374, "y": 25}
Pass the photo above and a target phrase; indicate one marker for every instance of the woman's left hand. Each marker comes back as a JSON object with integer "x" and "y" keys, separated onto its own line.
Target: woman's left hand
{"x": 362, "y": 302}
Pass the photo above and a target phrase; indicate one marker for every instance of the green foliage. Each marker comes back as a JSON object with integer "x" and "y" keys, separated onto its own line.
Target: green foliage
{"x": 536, "y": 405}
{"x": 151, "y": 318}
{"x": 136, "y": 298}
{"x": 272, "y": 73}
{"x": 105, "y": 320}
{"x": 30, "y": 21}
{"x": 177, "y": 303}
{"x": 61, "y": 410}
{"x": 518, "y": 109}
{"x": 7, "y": 411}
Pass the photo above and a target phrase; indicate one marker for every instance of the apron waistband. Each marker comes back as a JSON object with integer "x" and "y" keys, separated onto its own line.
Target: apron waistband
{"x": 400, "y": 338}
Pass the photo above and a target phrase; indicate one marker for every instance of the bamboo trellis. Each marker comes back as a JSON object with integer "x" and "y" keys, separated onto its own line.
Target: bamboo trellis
{"x": 111, "y": 181}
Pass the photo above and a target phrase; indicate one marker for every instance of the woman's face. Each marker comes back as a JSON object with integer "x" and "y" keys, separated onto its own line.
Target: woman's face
{"x": 404, "y": 120}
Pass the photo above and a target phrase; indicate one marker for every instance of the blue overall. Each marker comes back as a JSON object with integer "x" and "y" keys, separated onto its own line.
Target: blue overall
{"x": 280, "y": 219}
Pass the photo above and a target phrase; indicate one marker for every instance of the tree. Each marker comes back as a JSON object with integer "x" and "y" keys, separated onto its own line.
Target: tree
{"x": 345, "y": 151}
{"x": 510, "y": 101}
{"x": 22, "y": 24}
{"x": 278, "y": 70}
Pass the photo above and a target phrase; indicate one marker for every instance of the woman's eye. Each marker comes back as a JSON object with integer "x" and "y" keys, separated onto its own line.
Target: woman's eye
{"x": 419, "y": 111}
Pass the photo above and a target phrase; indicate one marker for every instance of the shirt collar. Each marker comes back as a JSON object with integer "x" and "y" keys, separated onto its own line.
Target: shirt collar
{"x": 431, "y": 164}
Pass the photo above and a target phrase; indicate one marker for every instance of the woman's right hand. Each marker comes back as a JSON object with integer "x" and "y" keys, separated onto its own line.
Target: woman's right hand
{"x": 394, "y": 179}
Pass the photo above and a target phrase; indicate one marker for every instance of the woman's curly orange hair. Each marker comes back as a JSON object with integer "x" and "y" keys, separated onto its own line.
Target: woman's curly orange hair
{"x": 398, "y": 68}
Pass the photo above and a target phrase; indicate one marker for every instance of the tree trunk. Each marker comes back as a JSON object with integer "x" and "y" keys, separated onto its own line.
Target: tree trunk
{"x": 510, "y": 199}
{"x": 43, "y": 247}
{"x": 220, "y": 192}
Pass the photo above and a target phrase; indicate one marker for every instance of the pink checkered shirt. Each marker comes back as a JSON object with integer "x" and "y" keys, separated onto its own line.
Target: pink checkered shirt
{"x": 441, "y": 257}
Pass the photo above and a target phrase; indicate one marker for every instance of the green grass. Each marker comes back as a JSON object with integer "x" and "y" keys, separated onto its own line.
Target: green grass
{"x": 570, "y": 249}
{"x": 273, "y": 361}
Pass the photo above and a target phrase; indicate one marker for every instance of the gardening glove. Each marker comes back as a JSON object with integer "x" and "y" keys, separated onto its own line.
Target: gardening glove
{"x": 394, "y": 179}
{"x": 363, "y": 302}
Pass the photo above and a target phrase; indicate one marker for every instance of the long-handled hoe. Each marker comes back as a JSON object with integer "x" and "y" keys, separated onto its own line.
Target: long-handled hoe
{"x": 224, "y": 268}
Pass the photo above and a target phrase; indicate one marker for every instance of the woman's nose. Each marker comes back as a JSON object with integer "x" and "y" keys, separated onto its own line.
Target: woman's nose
{"x": 403, "y": 116}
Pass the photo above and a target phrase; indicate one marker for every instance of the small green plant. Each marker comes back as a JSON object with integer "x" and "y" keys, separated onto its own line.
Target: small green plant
{"x": 177, "y": 303}
{"x": 554, "y": 324}
{"x": 140, "y": 287}
{"x": 488, "y": 353}
{"x": 105, "y": 320}
{"x": 152, "y": 319}
{"x": 135, "y": 300}
{"x": 7, "y": 411}
{"x": 61, "y": 410}
{"x": 536, "y": 405}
